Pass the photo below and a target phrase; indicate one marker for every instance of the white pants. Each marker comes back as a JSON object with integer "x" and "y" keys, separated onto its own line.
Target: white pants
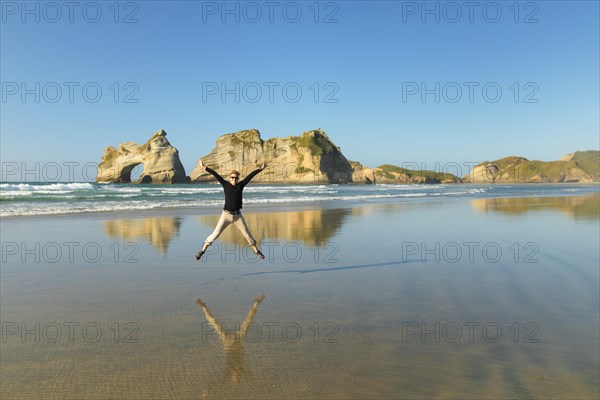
{"x": 224, "y": 221}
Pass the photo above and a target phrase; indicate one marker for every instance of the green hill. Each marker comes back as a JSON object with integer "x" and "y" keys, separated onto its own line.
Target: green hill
{"x": 589, "y": 161}
{"x": 387, "y": 173}
{"x": 581, "y": 166}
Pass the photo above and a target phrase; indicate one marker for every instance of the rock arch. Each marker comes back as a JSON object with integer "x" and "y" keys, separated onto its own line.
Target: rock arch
{"x": 160, "y": 160}
{"x": 125, "y": 172}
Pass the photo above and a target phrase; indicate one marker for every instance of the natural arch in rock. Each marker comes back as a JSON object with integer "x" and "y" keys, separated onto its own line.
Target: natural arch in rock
{"x": 125, "y": 174}
{"x": 160, "y": 161}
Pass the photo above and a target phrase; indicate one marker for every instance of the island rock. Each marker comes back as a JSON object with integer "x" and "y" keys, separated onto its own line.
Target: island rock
{"x": 362, "y": 174}
{"x": 160, "y": 160}
{"x": 309, "y": 158}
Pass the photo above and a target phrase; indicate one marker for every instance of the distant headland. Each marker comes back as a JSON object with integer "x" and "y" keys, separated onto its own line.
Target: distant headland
{"x": 313, "y": 157}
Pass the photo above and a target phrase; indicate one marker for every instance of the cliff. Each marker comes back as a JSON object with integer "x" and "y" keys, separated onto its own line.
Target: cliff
{"x": 309, "y": 158}
{"x": 160, "y": 160}
{"x": 581, "y": 166}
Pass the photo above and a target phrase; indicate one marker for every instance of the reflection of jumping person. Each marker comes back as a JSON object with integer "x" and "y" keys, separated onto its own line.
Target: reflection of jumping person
{"x": 235, "y": 364}
{"x": 232, "y": 212}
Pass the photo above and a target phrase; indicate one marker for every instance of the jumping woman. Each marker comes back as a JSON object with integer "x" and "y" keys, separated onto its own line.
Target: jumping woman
{"x": 232, "y": 211}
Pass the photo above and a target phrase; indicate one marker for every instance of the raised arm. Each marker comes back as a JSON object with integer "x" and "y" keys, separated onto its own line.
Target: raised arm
{"x": 212, "y": 172}
{"x": 252, "y": 174}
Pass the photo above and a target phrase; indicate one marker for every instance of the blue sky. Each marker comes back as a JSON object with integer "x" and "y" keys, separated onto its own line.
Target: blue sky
{"x": 372, "y": 59}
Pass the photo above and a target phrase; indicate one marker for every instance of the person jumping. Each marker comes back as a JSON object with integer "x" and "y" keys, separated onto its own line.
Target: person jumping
{"x": 232, "y": 211}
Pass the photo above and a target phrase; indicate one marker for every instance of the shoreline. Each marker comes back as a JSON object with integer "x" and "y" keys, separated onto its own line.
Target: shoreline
{"x": 257, "y": 183}
{"x": 211, "y": 210}
{"x": 273, "y": 207}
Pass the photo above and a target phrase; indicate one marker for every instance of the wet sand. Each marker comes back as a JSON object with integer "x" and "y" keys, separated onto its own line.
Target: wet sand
{"x": 487, "y": 298}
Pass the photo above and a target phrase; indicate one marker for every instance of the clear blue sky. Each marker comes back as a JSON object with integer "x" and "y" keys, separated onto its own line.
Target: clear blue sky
{"x": 372, "y": 57}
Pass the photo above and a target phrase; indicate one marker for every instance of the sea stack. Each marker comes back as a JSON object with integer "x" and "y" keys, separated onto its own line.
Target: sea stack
{"x": 309, "y": 158}
{"x": 160, "y": 160}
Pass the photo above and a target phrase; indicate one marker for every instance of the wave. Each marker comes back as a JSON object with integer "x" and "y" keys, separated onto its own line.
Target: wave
{"x": 300, "y": 199}
{"x": 121, "y": 189}
{"x": 25, "y": 199}
{"x": 53, "y": 187}
{"x": 15, "y": 193}
{"x": 191, "y": 190}
{"x": 48, "y": 208}
{"x": 69, "y": 208}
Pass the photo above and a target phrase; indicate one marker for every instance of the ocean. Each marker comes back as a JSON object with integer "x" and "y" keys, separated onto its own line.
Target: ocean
{"x": 34, "y": 198}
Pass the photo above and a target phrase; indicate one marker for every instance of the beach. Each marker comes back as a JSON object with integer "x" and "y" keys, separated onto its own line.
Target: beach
{"x": 449, "y": 296}
{"x": 419, "y": 183}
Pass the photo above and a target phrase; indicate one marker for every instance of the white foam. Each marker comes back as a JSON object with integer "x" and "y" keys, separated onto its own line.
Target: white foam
{"x": 124, "y": 198}
{"x": 13, "y": 193}
{"x": 191, "y": 190}
{"x": 121, "y": 189}
{"x": 44, "y": 187}
{"x": 70, "y": 208}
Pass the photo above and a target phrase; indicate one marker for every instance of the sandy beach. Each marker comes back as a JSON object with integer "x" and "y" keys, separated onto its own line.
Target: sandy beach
{"x": 460, "y": 298}
{"x": 422, "y": 179}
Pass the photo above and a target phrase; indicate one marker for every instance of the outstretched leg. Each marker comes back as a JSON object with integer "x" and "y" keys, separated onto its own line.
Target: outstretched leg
{"x": 240, "y": 223}
{"x": 223, "y": 223}
{"x": 250, "y": 316}
{"x": 212, "y": 320}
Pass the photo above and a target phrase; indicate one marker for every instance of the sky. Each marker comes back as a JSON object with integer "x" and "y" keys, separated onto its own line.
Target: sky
{"x": 391, "y": 82}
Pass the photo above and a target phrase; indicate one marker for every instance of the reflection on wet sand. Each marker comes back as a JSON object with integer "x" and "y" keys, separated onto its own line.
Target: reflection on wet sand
{"x": 235, "y": 365}
{"x": 372, "y": 296}
{"x": 313, "y": 227}
{"x": 578, "y": 207}
{"x": 159, "y": 231}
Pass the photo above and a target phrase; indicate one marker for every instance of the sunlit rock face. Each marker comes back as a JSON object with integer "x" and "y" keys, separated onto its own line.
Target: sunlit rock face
{"x": 309, "y": 158}
{"x": 159, "y": 158}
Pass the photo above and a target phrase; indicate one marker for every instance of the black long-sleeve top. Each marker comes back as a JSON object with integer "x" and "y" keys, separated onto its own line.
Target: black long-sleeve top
{"x": 233, "y": 193}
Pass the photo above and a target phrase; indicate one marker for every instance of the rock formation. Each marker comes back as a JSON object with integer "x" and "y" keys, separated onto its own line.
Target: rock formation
{"x": 160, "y": 160}
{"x": 362, "y": 174}
{"x": 581, "y": 166}
{"x": 392, "y": 174}
{"x": 309, "y": 158}
{"x": 313, "y": 158}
